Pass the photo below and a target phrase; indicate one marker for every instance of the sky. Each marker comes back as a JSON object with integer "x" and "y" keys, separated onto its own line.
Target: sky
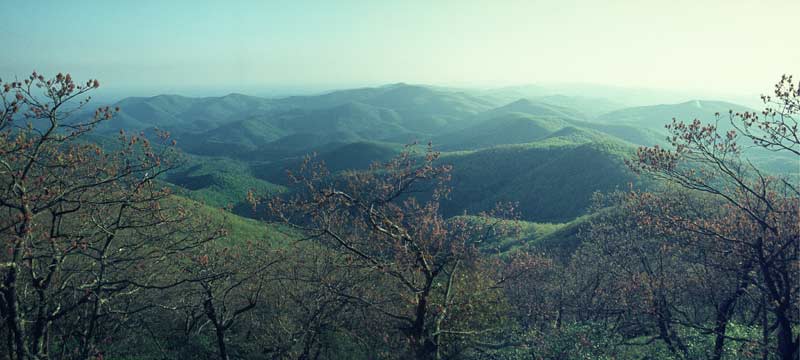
{"x": 713, "y": 46}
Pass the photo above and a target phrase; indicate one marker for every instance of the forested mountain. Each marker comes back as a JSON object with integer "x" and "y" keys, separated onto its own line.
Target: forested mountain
{"x": 552, "y": 180}
{"x": 549, "y": 152}
{"x": 504, "y": 128}
{"x": 185, "y": 113}
{"x": 239, "y": 125}
{"x": 398, "y": 222}
{"x": 546, "y": 151}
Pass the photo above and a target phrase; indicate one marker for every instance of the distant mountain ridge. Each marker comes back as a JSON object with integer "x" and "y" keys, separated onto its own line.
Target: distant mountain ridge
{"x": 246, "y": 125}
{"x": 549, "y": 152}
{"x": 656, "y": 116}
{"x": 368, "y": 114}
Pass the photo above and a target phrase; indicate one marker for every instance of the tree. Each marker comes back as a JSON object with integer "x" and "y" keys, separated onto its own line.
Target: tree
{"x": 681, "y": 282}
{"x": 84, "y": 228}
{"x": 427, "y": 270}
{"x": 309, "y": 318}
{"x": 230, "y": 282}
{"x": 765, "y": 207}
{"x": 776, "y": 128}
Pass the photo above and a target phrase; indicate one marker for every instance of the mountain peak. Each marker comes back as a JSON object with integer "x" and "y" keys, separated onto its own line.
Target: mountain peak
{"x": 236, "y": 95}
{"x": 522, "y": 101}
{"x": 169, "y": 96}
{"x": 695, "y": 103}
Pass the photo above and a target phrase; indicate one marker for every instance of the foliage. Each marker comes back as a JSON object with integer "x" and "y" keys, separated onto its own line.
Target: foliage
{"x": 435, "y": 292}
{"x": 756, "y": 223}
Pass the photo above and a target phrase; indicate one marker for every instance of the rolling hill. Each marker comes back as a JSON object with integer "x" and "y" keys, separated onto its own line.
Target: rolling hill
{"x": 507, "y": 128}
{"x": 185, "y": 114}
{"x": 592, "y": 107}
{"x": 552, "y": 179}
{"x": 531, "y": 107}
{"x": 240, "y": 125}
{"x": 219, "y": 182}
{"x": 339, "y": 157}
{"x": 656, "y": 116}
{"x": 548, "y": 152}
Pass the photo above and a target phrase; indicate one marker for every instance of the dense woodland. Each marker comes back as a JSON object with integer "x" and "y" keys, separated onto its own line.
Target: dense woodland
{"x": 398, "y": 222}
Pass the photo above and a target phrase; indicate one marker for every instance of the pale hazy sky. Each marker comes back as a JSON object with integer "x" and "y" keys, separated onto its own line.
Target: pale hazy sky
{"x": 729, "y": 46}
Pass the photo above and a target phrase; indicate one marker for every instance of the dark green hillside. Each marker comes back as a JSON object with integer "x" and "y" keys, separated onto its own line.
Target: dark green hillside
{"x": 360, "y": 119}
{"x": 218, "y": 182}
{"x": 553, "y": 179}
{"x": 298, "y": 145}
{"x": 656, "y": 116}
{"x": 563, "y": 240}
{"x": 358, "y": 155}
{"x": 240, "y": 229}
{"x": 351, "y": 156}
{"x": 233, "y": 139}
{"x": 524, "y": 234}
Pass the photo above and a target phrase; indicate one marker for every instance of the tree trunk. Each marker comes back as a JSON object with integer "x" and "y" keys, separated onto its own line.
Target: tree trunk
{"x": 787, "y": 346}
{"x": 88, "y": 334}
{"x": 719, "y": 341}
{"x": 38, "y": 332}
{"x": 12, "y": 313}
{"x": 779, "y": 294}
{"x": 422, "y": 346}
{"x": 724, "y": 312}
{"x": 223, "y": 350}
{"x": 219, "y": 326}
{"x": 764, "y": 328}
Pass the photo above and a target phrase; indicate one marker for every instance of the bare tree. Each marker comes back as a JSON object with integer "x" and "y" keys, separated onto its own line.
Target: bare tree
{"x": 765, "y": 207}
{"x": 427, "y": 270}
{"x": 83, "y": 226}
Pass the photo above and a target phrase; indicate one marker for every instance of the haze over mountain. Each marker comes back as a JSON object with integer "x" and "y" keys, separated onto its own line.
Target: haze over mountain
{"x": 258, "y": 47}
{"x": 656, "y": 116}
